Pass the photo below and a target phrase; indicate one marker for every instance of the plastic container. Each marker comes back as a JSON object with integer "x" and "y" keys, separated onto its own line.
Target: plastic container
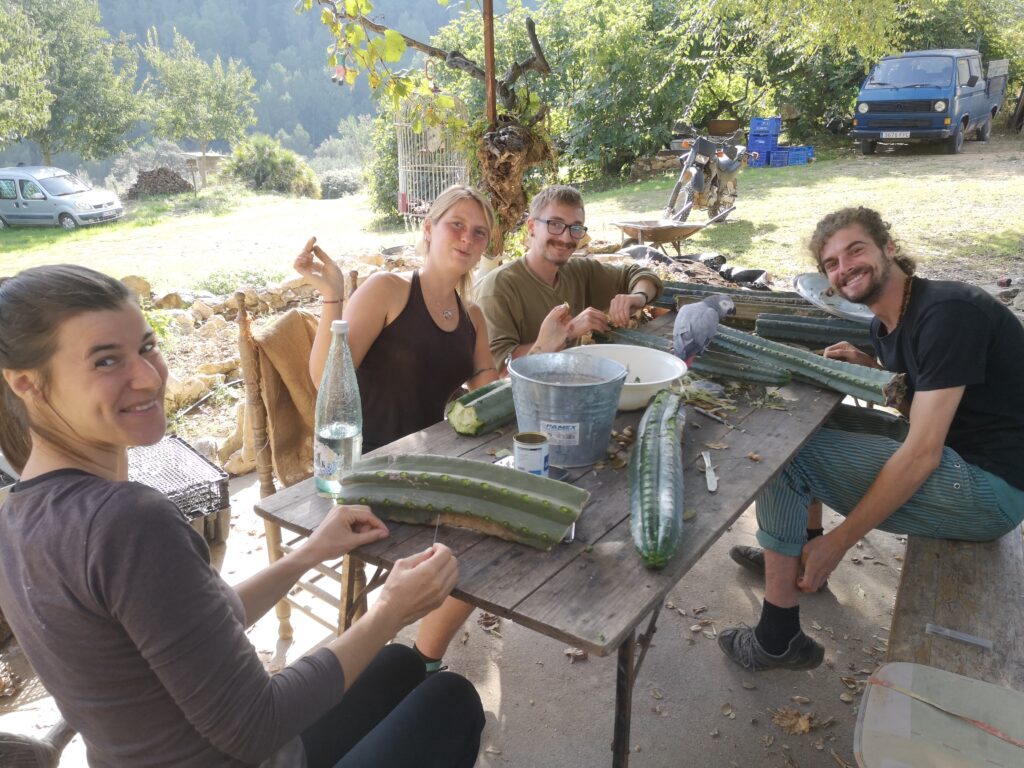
{"x": 762, "y": 143}
{"x": 798, "y": 156}
{"x": 779, "y": 158}
{"x": 767, "y": 126}
{"x": 571, "y": 399}
{"x": 647, "y": 370}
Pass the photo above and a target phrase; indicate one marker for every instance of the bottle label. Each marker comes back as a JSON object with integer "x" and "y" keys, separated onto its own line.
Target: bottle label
{"x": 326, "y": 461}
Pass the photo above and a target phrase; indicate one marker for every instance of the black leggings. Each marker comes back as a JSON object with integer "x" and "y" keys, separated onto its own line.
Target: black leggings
{"x": 392, "y": 717}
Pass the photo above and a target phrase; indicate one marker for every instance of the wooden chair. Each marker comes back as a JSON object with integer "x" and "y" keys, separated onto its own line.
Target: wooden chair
{"x": 25, "y": 752}
{"x": 336, "y": 605}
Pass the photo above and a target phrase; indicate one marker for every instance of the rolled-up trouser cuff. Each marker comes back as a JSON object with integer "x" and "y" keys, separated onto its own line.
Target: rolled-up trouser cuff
{"x": 788, "y": 548}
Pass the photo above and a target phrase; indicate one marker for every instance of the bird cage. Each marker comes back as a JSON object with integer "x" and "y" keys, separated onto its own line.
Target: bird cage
{"x": 428, "y": 163}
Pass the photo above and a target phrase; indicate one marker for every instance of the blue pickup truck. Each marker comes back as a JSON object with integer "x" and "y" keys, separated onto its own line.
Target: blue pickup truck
{"x": 937, "y": 95}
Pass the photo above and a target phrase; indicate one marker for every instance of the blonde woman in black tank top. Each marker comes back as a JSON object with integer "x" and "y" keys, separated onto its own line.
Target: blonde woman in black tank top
{"x": 415, "y": 338}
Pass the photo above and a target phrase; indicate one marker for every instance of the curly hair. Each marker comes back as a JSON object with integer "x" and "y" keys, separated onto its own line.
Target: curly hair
{"x": 877, "y": 229}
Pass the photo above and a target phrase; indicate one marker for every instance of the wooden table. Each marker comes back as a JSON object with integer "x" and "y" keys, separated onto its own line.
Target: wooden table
{"x": 595, "y": 592}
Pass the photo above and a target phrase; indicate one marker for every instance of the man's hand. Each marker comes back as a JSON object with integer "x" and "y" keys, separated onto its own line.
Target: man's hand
{"x": 844, "y": 350}
{"x": 819, "y": 558}
{"x": 343, "y": 529}
{"x": 320, "y": 271}
{"x": 418, "y": 584}
{"x": 588, "y": 320}
{"x": 623, "y": 306}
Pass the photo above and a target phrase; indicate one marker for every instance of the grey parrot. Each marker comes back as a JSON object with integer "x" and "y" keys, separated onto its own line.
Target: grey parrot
{"x": 696, "y": 325}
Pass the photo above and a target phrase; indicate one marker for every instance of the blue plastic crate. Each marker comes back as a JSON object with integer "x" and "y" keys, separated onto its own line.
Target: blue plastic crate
{"x": 798, "y": 156}
{"x": 765, "y": 126}
{"x": 810, "y": 151}
{"x": 779, "y": 158}
{"x": 762, "y": 143}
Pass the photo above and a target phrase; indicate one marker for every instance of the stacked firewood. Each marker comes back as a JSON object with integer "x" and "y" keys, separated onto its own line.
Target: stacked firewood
{"x": 162, "y": 181}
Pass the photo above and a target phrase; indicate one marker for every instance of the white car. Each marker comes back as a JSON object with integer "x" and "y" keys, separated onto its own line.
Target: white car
{"x": 40, "y": 196}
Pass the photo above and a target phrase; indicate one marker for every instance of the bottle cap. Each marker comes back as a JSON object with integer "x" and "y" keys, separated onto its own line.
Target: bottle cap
{"x": 339, "y": 326}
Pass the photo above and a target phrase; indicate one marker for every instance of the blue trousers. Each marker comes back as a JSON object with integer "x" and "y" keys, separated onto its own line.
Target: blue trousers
{"x": 838, "y": 465}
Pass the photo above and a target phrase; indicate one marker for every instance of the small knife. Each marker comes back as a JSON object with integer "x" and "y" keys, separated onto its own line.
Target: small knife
{"x": 709, "y": 472}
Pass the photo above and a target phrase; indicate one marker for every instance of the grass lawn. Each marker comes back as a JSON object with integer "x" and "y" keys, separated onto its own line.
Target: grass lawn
{"x": 952, "y": 212}
{"x": 962, "y": 216}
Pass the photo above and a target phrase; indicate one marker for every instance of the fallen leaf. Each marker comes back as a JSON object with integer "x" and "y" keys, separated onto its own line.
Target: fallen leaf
{"x": 846, "y": 698}
{"x": 700, "y": 610}
{"x": 851, "y": 683}
{"x": 753, "y": 456}
{"x": 576, "y": 654}
{"x": 791, "y": 721}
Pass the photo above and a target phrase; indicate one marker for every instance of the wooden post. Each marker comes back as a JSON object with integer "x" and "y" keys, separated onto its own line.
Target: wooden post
{"x": 492, "y": 108}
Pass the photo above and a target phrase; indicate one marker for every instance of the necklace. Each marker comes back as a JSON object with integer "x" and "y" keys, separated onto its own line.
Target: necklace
{"x": 447, "y": 314}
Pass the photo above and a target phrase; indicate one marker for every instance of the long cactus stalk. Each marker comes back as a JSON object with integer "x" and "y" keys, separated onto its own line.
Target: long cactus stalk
{"x": 748, "y": 369}
{"x": 489, "y": 498}
{"x": 812, "y": 331}
{"x": 882, "y": 387}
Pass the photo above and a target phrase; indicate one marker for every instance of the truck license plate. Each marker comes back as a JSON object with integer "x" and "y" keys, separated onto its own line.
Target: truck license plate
{"x": 895, "y": 134}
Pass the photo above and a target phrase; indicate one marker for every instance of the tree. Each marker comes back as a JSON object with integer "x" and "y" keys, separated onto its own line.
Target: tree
{"x": 190, "y": 99}
{"x": 24, "y": 99}
{"x": 91, "y": 78}
{"x": 504, "y": 151}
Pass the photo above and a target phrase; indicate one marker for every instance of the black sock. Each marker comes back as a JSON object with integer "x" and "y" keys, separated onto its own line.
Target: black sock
{"x": 777, "y": 627}
{"x": 813, "y": 533}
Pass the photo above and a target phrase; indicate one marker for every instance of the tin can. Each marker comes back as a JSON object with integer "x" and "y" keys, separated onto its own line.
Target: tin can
{"x": 530, "y": 453}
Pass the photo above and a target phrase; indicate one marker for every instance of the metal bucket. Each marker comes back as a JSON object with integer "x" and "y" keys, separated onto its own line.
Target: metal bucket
{"x": 570, "y": 398}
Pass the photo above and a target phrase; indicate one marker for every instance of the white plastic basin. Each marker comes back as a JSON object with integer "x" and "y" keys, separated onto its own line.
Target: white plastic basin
{"x": 647, "y": 370}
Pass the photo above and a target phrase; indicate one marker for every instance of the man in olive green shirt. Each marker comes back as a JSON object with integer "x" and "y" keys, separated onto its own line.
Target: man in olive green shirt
{"x": 547, "y": 300}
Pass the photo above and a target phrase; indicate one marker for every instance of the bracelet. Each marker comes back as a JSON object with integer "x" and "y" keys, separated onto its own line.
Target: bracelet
{"x": 331, "y": 301}
{"x": 647, "y": 299}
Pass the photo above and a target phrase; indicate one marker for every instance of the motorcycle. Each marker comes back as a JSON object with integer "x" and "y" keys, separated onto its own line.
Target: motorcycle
{"x": 707, "y": 177}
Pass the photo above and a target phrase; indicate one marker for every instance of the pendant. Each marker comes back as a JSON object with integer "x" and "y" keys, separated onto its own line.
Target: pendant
{"x": 447, "y": 314}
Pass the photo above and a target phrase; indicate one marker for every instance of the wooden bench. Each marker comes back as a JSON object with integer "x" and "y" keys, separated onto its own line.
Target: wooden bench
{"x": 971, "y": 587}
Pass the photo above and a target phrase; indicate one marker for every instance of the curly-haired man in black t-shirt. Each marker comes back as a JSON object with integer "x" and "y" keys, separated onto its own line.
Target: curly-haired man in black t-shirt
{"x": 955, "y": 470}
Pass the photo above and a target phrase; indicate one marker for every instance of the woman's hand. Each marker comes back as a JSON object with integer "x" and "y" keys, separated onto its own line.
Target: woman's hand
{"x": 844, "y": 350}
{"x": 343, "y": 529}
{"x": 418, "y": 584}
{"x": 320, "y": 271}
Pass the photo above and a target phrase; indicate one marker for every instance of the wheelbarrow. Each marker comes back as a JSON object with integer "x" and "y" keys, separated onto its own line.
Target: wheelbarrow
{"x": 657, "y": 232}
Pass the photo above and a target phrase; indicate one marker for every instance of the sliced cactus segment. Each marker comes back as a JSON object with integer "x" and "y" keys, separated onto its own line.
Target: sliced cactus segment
{"x": 873, "y": 385}
{"x": 489, "y": 498}
{"x": 748, "y": 369}
{"x": 483, "y": 409}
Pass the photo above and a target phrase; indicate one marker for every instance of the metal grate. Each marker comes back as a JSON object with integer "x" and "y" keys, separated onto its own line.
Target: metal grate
{"x": 428, "y": 163}
{"x": 196, "y": 486}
